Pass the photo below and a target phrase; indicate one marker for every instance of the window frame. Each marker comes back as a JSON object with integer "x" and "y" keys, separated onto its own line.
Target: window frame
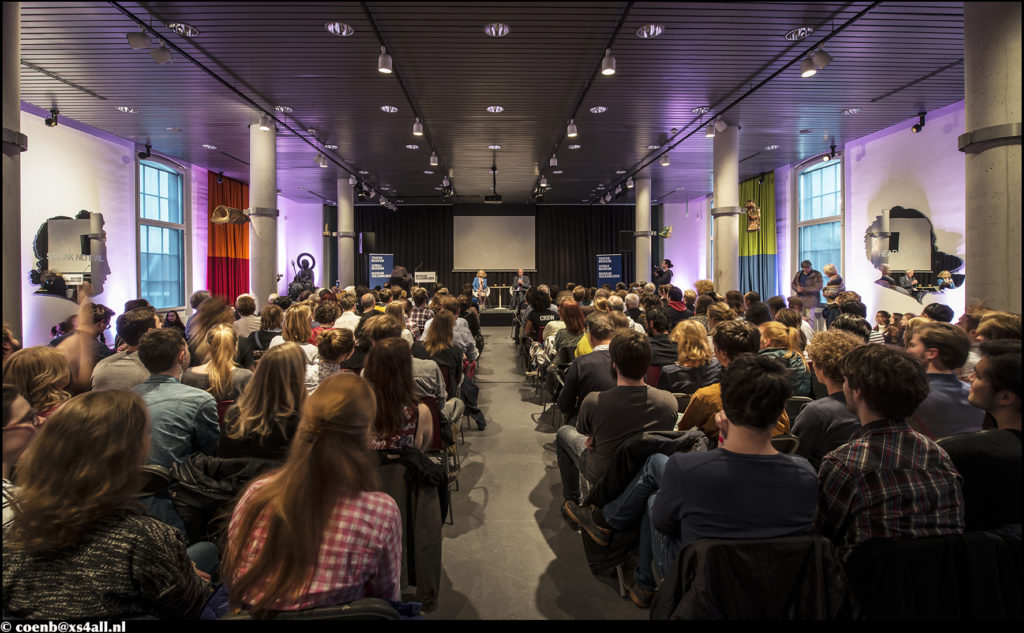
{"x": 185, "y": 226}
{"x": 797, "y": 199}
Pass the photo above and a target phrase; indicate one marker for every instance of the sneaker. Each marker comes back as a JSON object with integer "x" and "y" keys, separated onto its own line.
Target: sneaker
{"x": 594, "y": 529}
{"x": 571, "y": 512}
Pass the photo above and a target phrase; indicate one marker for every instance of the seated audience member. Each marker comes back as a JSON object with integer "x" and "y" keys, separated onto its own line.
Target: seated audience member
{"x": 942, "y": 348}
{"x": 470, "y": 312}
{"x": 247, "y": 322}
{"x": 426, "y": 374}
{"x": 397, "y": 310}
{"x": 173, "y": 319}
{"x": 320, "y": 513}
{"x": 590, "y": 372}
{"x": 211, "y": 313}
{"x": 719, "y": 312}
{"x": 123, "y": 369}
{"x": 744, "y": 489}
{"x": 439, "y": 346}
{"x": 757, "y": 313}
{"x": 271, "y": 319}
{"x": 890, "y": 481}
{"x": 608, "y": 418}
{"x": 420, "y": 313}
{"x": 786, "y": 344}
{"x": 349, "y": 318}
{"x": 700, "y": 310}
{"x": 334, "y": 348}
{"x": 690, "y": 299}
{"x": 675, "y": 307}
{"x": 792, "y": 318}
{"x": 79, "y": 547}
{"x": 463, "y": 337}
{"x": 664, "y": 348}
{"x": 298, "y": 328}
{"x": 882, "y": 322}
{"x": 938, "y": 312}
{"x": 704, "y": 286}
{"x": 989, "y": 461}
{"x": 101, "y": 316}
{"x": 219, "y": 376}
{"x": 775, "y": 304}
{"x": 633, "y": 310}
{"x": 854, "y": 325}
{"x": 41, "y": 375}
{"x": 731, "y": 339}
{"x": 734, "y": 299}
{"x": 541, "y": 314}
{"x": 21, "y": 422}
{"x": 999, "y": 325}
{"x": 749, "y": 298}
{"x": 571, "y": 314}
{"x": 263, "y": 420}
{"x": 695, "y": 364}
{"x": 826, "y": 423}
{"x": 854, "y": 307}
{"x": 324, "y": 314}
{"x": 184, "y": 418}
{"x": 194, "y": 301}
{"x": 617, "y": 304}
{"x": 400, "y": 421}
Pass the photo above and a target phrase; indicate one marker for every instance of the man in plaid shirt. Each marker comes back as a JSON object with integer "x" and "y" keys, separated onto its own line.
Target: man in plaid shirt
{"x": 420, "y": 313}
{"x": 890, "y": 481}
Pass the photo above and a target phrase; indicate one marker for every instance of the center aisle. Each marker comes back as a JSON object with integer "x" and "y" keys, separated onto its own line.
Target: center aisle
{"x": 509, "y": 554}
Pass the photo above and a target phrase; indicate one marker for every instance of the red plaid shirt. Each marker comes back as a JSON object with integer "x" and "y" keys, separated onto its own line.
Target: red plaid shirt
{"x": 891, "y": 482}
{"x": 360, "y": 554}
{"x": 420, "y": 316}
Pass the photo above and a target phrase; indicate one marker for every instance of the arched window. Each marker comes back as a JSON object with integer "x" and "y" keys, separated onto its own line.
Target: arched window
{"x": 819, "y": 213}
{"x": 161, "y": 222}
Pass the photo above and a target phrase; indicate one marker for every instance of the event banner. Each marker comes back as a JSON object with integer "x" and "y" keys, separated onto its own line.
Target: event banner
{"x": 381, "y": 265}
{"x": 609, "y": 269}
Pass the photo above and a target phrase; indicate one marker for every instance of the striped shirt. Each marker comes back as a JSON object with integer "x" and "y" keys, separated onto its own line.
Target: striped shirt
{"x": 890, "y": 482}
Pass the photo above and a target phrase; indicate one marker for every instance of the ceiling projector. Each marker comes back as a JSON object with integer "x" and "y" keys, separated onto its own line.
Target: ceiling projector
{"x": 495, "y": 199}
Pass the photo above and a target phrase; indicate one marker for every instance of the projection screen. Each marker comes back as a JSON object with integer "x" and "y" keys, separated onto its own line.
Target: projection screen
{"x": 493, "y": 242}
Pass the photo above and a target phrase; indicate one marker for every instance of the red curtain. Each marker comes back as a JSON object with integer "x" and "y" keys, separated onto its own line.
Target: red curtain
{"x": 227, "y": 271}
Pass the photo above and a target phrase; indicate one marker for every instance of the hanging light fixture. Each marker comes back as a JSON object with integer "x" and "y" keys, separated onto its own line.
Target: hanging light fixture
{"x": 384, "y": 61}
{"x": 553, "y": 161}
{"x": 139, "y": 40}
{"x": 571, "y": 131}
{"x": 821, "y": 58}
{"x": 433, "y": 159}
{"x": 608, "y": 63}
{"x": 629, "y": 183}
{"x": 352, "y": 181}
{"x": 543, "y": 181}
{"x": 664, "y": 160}
{"x": 710, "y": 131}
{"x": 417, "y": 128}
{"x": 807, "y": 68}
{"x": 161, "y": 55}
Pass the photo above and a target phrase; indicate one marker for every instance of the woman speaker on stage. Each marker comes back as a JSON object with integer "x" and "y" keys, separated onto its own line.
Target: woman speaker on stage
{"x": 480, "y": 289}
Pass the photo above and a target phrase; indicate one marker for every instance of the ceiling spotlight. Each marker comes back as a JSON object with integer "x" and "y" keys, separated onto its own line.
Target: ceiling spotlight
{"x": 557, "y": 171}
{"x": 384, "y": 61}
{"x": 709, "y": 132}
{"x": 417, "y": 128}
{"x": 600, "y": 186}
{"x": 664, "y": 160}
{"x": 139, "y": 40}
{"x": 284, "y": 108}
{"x": 220, "y": 177}
{"x": 832, "y": 151}
{"x": 649, "y": 31}
{"x": 807, "y": 68}
{"x": 265, "y": 123}
{"x": 433, "y": 159}
{"x": 920, "y": 123}
{"x": 429, "y": 172}
{"x": 571, "y": 131}
{"x": 607, "y": 198}
{"x": 146, "y": 154}
{"x": 821, "y": 58}
{"x": 618, "y": 190}
{"x": 495, "y": 109}
{"x": 720, "y": 124}
{"x": 321, "y": 160}
{"x": 543, "y": 181}
{"x": 497, "y": 29}
{"x": 608, "y": 63}
{"x": 51, "y": 121}
{"x": 799, "y": 33}
{"x": 160, "y": 55}
{"x": 185, "y": 30}
{"x": 445, "y": 182}
{"x": 340, "y": 29}
{"x": 372, "y": 193}
{"x": 629, "y": 183}
{"x": 352, "y": 181}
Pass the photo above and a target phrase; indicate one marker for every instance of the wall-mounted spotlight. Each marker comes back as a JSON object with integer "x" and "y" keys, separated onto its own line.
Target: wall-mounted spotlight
{"x": 608, "y": 63}
{"x": 710, "y": 131}
{"x": 161, "y": 55}
{"x": 352, "y": 181}
{"x": 384, "y": 61}
{"x": 664, "y": 160}
{"x": 807, "y": 68}
{"x": 720, "y": 124}
{"x": 831, "y": 154}
{"x": 220, "y": 177}
{"x": 138, "y": 40}
{"x": 51, "y": 121}
{"x": 629, "y": 183}
{"x": 265, "y": 123}
{"x": 917, "y": 127}
{"x": 820, "y": 58}
{"x": 146, "y": 154}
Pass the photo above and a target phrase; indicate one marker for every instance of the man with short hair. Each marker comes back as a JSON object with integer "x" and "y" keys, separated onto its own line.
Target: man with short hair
{"x": 349, "y": 319}
{"x": 247, "y": 322}
{"x": 124, "y": 369}
{"x": 590, "y": 372}
{"x": 101, "y": 316}
{"x": 610, "y": 417}
{"x": 989, "y": 461}
{"x": 968, "y": 322}
{"x": 758, "y": 313}
{"x": 891, "y": 481}
{"x": 807, "y": 284}
{"x": 616, "y": 304}
{"x": 942, "y": 348}
{"x": 633, "y": 310}
{"x": 664, "y": 351}
{"x": 854, "y": 325}
{"x": 749, "y": 298}
{"x": 938, "y": 312}
{"x": 730, "y": 339}
{"x": 420, "y": 313}
{"x": 775, "y": 304}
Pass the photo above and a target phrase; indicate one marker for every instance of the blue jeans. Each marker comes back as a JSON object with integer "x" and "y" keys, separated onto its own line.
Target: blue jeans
{"x": 571, "y": 450}
{"x": 634, "y": 503}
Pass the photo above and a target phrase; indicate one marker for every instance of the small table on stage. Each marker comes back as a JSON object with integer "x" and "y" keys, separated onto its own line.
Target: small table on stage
{"x": 500, "y": 294}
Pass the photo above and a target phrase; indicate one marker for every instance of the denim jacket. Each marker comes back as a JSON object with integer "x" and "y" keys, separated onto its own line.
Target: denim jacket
{"x": 184, "y": 420}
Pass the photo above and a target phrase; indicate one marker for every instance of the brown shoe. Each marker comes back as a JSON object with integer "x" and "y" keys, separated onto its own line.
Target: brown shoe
{"x": 589, "y": 524}
{"x": 571, "y": 512}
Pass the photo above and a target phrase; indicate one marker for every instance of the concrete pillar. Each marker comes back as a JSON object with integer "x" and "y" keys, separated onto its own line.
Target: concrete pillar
{"x": 642, "y": 246}
{"x": 12, "y": 169}
{"x": 726, "y": 210}
{"x": 263, "y": 215}
{"x": 992, "y": 88}
{"x": 346, "y": 234}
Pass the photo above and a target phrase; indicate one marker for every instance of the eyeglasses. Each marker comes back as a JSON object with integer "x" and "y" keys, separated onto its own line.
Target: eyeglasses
{"x": 31, "y": 418}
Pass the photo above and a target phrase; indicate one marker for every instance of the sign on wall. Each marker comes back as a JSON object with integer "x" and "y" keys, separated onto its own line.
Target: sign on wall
{"x": 609, "y": 269}
{"x": 381, "y": 265}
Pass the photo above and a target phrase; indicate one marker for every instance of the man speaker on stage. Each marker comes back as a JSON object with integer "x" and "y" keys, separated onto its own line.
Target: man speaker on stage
{"x": 520, "y": 284}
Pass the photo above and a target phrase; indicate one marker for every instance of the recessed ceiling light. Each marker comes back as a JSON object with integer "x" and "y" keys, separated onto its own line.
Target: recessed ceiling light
{"x": 331, "y": 146}
{"x": 494, "y": 147}
{"x": 208, "y": 146}
{"x": 497, "y": 29}
{"x": 850, "y": 111}
{"x": 412, "y": 146}
{"x": 438, "y": 188}
{"x": 428, "y": 172}
{"x": 598, "y": 109}
{"x": 128, "y": 109}
{"x": 799, "y": 33}
{"x": 649, "y": 31}
{"x": 390, "y": 109}
{"x": 654, "y": 147}
{"x": 700, "y": 110}
{"x": 600, "y": 186}
{"x": 770, "y": 148}
{"x": 283, "y": 108}
{"x": 806, "y": 130}
{"x": 575, "y": 146}
{"x": 174, "y": 129}
{"x": 340, "y": 29}
{"x": 495, "y": 109}
{"x": 363, "y": 172}
{"x": 620, "y": 171}
{"x": 185, "y": 30}
{"x": 558, "y": 171}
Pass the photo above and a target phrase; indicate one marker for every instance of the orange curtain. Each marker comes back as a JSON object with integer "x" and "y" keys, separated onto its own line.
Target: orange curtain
{"x": 227, "y": 271}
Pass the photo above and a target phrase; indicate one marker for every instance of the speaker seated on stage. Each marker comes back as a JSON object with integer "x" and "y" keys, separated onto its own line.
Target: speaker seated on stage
{"x": 520, "y": 284}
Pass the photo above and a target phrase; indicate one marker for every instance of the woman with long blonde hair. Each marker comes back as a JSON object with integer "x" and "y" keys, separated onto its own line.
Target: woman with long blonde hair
{"x": 400, "y": 421}
{"x": 314, "y": 532}
{"x": 42, "y": 375}
{"x": 80, "y": 545}
{"x": 397, "y": 310}
{"x": 786, "y": 344}
{"x": 695, "y": 366}
{"x": 298, "y": 328}
{"x": 219, "y": 375}
{"x": 263, "y": 420}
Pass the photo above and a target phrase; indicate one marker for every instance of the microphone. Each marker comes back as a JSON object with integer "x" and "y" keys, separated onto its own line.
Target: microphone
{"x": 417, "y": 267}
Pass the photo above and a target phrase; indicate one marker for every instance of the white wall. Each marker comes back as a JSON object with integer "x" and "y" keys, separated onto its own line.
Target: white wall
{"x": 299, "y": 230}
{"x": 688, "y": 246}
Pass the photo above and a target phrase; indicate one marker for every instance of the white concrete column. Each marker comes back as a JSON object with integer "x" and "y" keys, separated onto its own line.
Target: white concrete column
{"x": 263, "y": 218}
{"x": 726, "y": 210}
{"x": 346, "y": 234}
{"x": 992, "y": 89}
{"x": 12, "y": 169}
{"x": 642, "y": 245}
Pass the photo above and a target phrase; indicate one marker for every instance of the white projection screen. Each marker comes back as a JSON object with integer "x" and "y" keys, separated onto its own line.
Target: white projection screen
{"x": 493, "y": 242}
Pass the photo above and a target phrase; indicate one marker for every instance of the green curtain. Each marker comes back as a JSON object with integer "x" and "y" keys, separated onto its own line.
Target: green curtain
{"x": 758, "y": 256}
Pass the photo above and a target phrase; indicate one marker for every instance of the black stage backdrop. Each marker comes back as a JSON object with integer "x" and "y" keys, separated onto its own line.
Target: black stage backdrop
{"x": 568, "y": 240}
